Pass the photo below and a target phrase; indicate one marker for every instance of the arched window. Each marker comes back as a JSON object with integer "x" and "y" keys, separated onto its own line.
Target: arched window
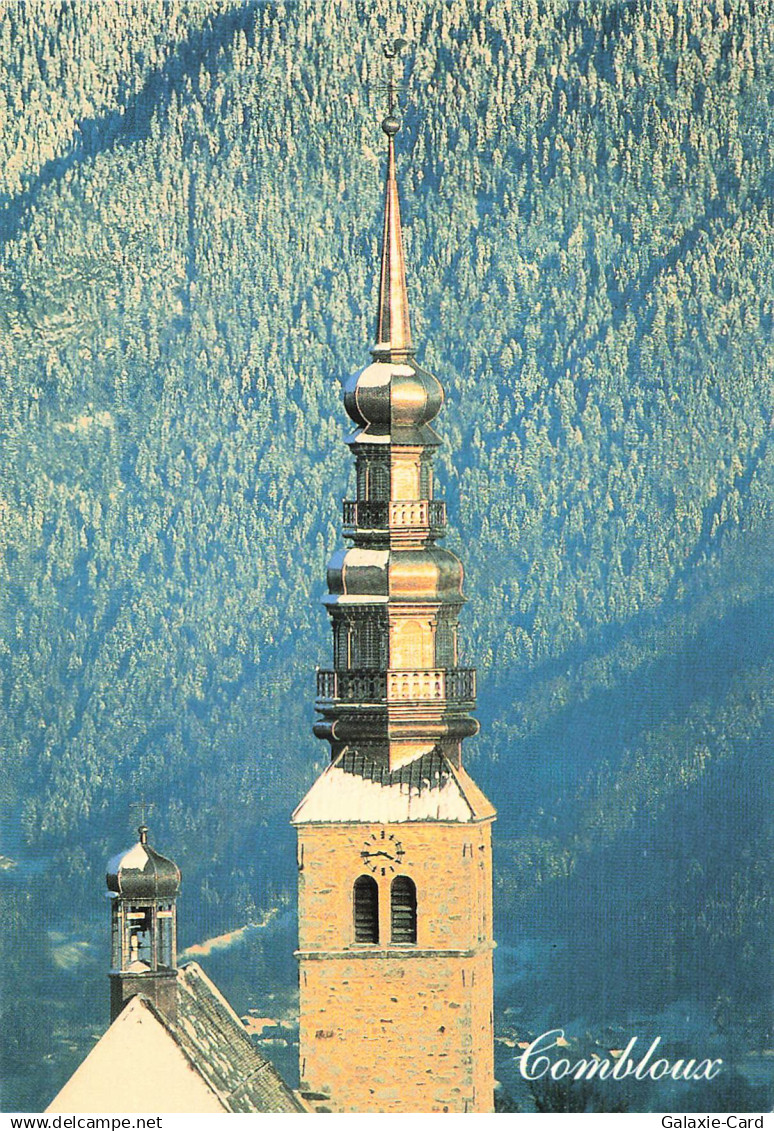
{"x": 412, "y": 645}
{"x": 403, "y": 906}
{"x": 366, "y": 909}
{"x": 405, "y": 480}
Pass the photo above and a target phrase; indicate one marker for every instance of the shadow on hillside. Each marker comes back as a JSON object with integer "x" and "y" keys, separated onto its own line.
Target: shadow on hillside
{"x": 205, "y": 48}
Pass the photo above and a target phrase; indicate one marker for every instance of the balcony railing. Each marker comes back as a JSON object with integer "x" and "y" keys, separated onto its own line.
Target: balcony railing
{"x": 367, "y": 685}
{"x": 364, "y": 686}
{"x": 394, "y": 514}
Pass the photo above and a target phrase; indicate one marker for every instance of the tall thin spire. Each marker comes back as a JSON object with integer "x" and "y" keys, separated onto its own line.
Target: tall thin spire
{"x": 393, "y": 328}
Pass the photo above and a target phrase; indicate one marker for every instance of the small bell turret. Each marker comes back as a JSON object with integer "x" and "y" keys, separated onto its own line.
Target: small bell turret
{"x": 142, "y": 887}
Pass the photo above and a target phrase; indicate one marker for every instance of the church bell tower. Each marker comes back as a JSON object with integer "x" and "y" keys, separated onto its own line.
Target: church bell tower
{"x": 394, "y": 837}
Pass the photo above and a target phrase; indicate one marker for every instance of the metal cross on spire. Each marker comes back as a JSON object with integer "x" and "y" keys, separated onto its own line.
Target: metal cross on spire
{"x": 144, "y": 807}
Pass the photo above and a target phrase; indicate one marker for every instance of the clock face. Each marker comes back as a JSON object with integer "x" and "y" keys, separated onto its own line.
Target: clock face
{"x": 382, "y": 853}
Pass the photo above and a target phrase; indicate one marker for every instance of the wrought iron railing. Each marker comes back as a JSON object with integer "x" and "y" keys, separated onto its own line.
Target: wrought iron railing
{"x": 371, "y": 685}
{"x": 364, "y": 685}
{"x": 369, "y": 514}
{"x": 437, "y": 508}
{"x": 372, "y": 514}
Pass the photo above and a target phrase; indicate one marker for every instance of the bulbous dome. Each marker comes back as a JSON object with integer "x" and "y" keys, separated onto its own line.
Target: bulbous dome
{"x": 429, "y": 574}
{"x": 394, "y": 400}
{"x": 357, "y": 572}
{"x": 142, "y": 873}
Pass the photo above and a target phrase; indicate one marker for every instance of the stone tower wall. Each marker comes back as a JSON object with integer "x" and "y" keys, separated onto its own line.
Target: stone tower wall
{"x": 397, "y": 1028}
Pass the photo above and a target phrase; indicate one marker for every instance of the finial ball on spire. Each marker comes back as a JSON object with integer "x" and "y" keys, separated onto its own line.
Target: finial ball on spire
{"x": 391, "y": 125}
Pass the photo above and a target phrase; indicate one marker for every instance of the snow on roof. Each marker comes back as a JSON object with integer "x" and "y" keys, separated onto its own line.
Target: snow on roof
{"x": 203, "y": 1061}
{"x": 215, "y": 1039}
{"x": 134, "y": 857}
{"x": 354, "y": 599}
{"x": 357, "y": 788}
{"x": 363, "y": 557}
{"x": 137, "y": 1066}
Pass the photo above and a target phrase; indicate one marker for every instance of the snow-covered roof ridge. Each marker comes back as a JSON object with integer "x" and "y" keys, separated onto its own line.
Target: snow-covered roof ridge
{"x": 358, "y": 788}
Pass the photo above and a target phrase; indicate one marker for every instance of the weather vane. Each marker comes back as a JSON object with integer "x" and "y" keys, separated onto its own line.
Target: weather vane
{"x": 391, "y": 53}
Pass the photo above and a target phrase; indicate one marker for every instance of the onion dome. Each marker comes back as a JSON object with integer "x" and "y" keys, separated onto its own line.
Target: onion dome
{"x": 394, "y": 401}
{"x": 357, "y": 572}
{"x": 142, "y": 873}
{"x": 432, "y": 574}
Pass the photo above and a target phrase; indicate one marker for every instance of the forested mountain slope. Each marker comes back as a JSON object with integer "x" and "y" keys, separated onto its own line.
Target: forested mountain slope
{"x": 189, "y": 222}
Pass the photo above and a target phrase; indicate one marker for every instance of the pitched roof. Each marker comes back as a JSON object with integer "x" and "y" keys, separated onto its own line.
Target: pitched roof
{"x": 202, "y": 1062}
{"x": 215, "y": 1040}
{"x": 136, "y": 1066}
{"x": 358, "y": 788}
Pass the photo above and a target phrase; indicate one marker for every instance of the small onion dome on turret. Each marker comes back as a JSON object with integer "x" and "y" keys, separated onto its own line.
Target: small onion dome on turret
{"x": 365, "y": 576}
{"x": 142, "y": 873}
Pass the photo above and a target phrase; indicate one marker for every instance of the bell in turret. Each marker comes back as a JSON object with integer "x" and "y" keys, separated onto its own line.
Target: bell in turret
{"x": 142, "y": 887}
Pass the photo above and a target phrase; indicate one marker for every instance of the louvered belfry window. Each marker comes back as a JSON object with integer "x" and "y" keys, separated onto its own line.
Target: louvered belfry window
{"x": 370, "y": 643}
{"x": 379, "y": 485}
{"x": 366, "y": 909}
{"x": 341, "y": 645}
{"x": 403, "y": 902}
